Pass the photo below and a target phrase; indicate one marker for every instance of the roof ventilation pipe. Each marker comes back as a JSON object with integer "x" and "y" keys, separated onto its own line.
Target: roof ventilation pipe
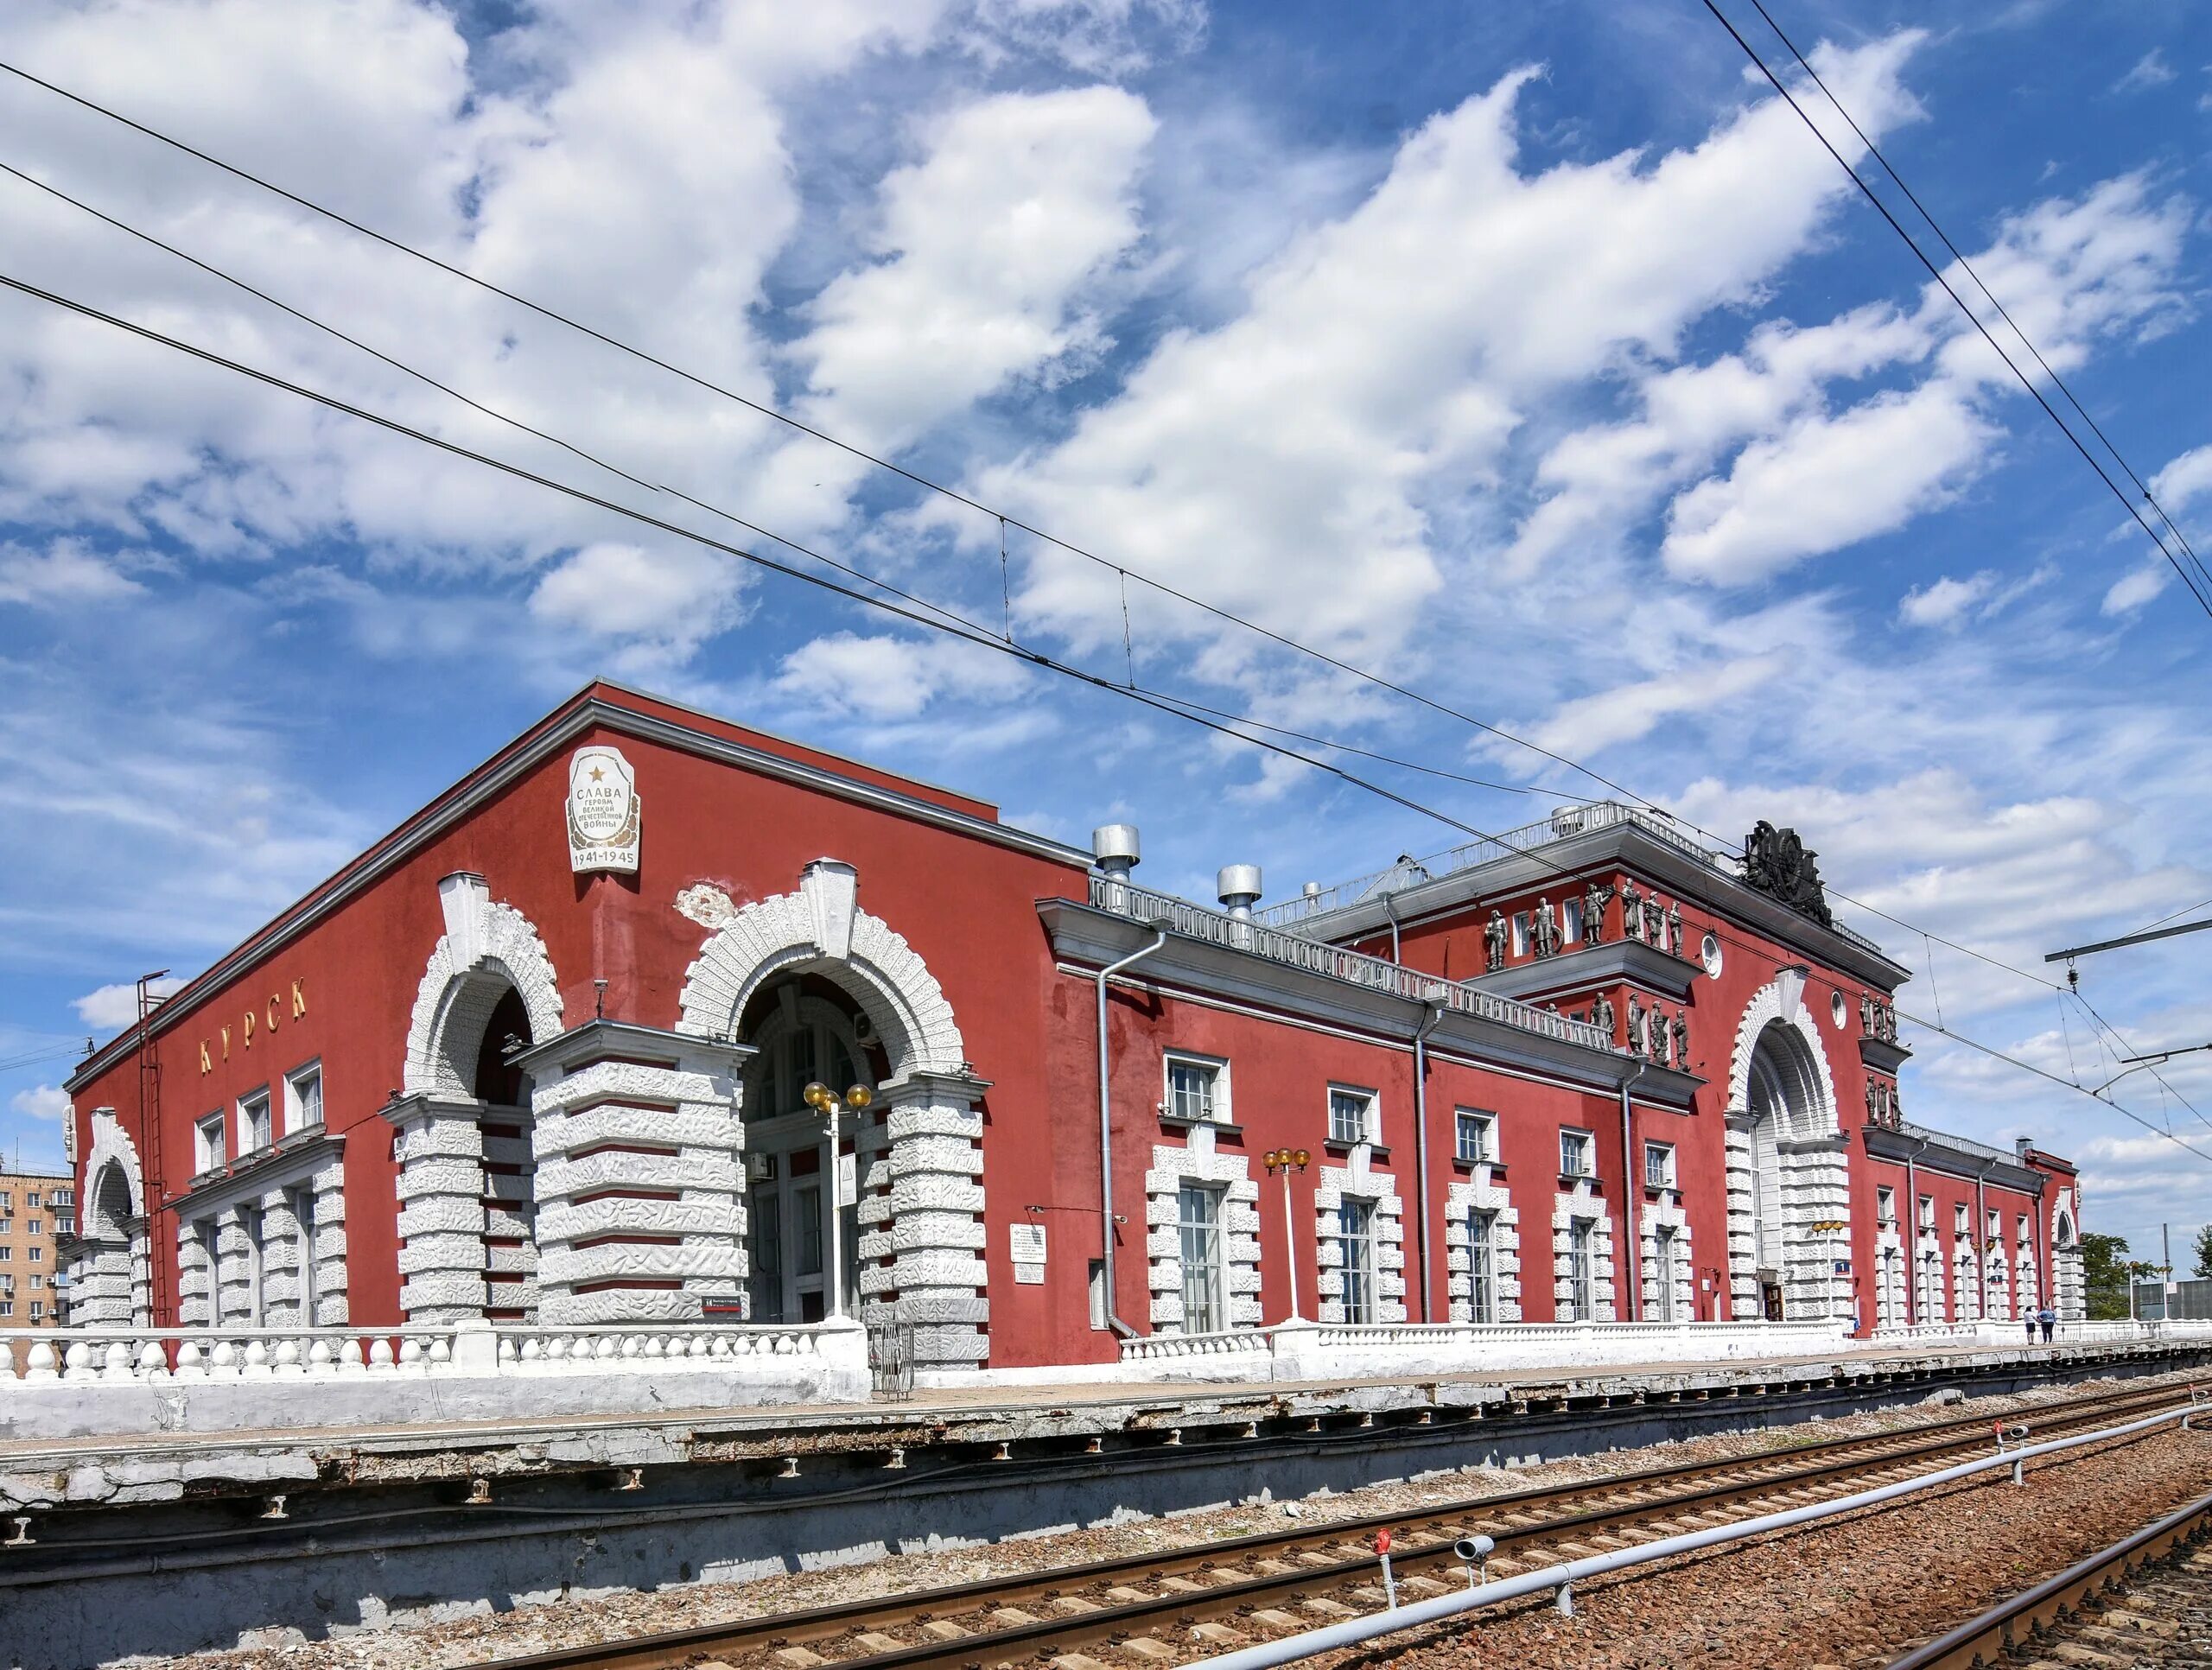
{"x": 1237, "y": 886}
{"x": 1115, "y": 849}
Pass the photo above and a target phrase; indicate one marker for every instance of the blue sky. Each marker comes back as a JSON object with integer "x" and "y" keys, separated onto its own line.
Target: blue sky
{"x": 1534, "y": 354}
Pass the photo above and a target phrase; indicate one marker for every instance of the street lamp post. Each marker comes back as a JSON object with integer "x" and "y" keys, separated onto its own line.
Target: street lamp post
{"x": 1831, "y": 1228}
{"x": 826, "y": 1101}
{"x": 1282, "y": 1162}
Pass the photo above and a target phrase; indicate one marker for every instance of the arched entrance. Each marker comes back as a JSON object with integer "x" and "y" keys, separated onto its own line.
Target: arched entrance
{"x": 466, "y": 1216}
{"x": 807, "y": 1030}
{"x": 1786, "y": 1167}
{"x": 110, "y": 1274}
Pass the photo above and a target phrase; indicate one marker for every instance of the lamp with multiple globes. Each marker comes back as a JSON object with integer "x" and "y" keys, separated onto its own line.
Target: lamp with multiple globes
{"x": 826, "y": 1101}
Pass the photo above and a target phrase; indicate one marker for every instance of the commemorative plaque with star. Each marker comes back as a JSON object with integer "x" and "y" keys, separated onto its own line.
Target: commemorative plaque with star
{"x": 604, "y": 811}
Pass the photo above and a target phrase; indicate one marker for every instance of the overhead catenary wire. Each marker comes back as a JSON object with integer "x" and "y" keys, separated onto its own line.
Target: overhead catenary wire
{"x": 1124, "y": 574}
{"x": 2203, "y": 593}
{"x": 929, "y": 616}
{"x": 1965, "y": 266}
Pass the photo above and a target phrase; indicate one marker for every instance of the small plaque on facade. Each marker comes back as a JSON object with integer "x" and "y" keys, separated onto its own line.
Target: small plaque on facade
{"x": 604, "y": 811}
{"x": 1027, "y": 1242}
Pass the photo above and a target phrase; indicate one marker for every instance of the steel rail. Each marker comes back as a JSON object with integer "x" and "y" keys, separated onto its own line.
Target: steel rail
{"x": 1628, "y": 1494}
{"x": 2012, "y": 1623}
{"x": 1560, "y": 1580}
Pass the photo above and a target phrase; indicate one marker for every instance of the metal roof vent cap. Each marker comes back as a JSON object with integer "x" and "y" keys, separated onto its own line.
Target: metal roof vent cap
{"x": 1239, "y": 886}
{"x": 1113, "y": 848}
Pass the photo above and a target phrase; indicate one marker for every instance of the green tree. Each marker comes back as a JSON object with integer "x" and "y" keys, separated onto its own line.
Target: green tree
{"x": 2204, "y": 1251}
{"x": 2105, "y": 1268}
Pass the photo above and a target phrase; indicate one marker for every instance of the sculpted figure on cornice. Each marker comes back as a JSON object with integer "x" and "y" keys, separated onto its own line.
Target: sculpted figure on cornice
{"x": 1543, "y": 931}
{"x": 1682, "y": 1038}
{"x": 1594, "y": 901}
{"x": 1494, "y": 941}
{"x": 1631, "y": 912}
{"x": 1675, "y": 927}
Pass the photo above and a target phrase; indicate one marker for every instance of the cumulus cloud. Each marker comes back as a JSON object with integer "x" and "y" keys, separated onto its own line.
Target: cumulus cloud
{"x": 2138, "y": 587}
{"x": 2151, "y": 70}
{"x": 47, "y": 1101}
{"x": 1628, "y": 712}
{"x": 2185, "y": 479}
{"x": 111, "y": 1008}
{"x": 884, "y": 677}
{"x": 1944, "y": 602}
{"x": 666, "y": 600}
{"x": 64, "y": 574}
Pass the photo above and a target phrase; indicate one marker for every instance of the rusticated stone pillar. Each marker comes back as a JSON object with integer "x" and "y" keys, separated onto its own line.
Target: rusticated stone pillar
{"x": 639, "y": 1173}
{"x": 921, "y": 1217}
{"x": 440, "y": 1153}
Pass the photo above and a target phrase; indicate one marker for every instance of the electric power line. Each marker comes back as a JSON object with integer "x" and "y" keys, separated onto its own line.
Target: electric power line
{"x": 1967, "y": 266}
{"x": 1935, "y": 272}
{"x": 1123, "y": 573}
{"x": 949, "y": 624}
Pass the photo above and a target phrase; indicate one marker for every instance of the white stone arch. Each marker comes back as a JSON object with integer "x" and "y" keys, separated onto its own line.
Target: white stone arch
{"x": 486, "y": 949}
{"x": 110, "y": 1278}
{"x": 820, "y": 929}
{"x": 2068, "y": 1283}
{"x": 919, "y": 1149}
{"x": 1787, "y": 1167}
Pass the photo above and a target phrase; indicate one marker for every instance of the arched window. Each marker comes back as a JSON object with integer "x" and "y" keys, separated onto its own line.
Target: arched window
{"x": 804, "y": 1037}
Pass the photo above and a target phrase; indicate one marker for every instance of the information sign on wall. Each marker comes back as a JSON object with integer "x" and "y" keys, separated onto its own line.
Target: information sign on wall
{"x": 604, "y": 811}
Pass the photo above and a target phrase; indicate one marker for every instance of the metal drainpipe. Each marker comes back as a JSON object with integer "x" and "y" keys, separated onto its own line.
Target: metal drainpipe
{"x": 1106, "y": 1136}
{"x": 1390, "y": 909}
{"x": 1421, "y": 1138}
{"x": 1631, "y": 1247}
{"x": 1912, "y": 1240}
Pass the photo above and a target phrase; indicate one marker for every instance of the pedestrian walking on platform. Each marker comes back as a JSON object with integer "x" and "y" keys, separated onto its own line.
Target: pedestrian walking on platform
{"x": 2048, "y": 1317}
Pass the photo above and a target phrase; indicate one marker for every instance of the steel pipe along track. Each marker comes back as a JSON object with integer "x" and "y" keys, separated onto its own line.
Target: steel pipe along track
{"x": 2148, "y": 1597}
{"x": 1222, "y": 1593}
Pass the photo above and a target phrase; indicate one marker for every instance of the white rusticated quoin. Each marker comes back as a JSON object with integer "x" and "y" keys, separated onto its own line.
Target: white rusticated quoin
{"x": 1198, "y": 1161}
{"x": 919, "y": 1150}
{"x": 465, "y": 1185}
{"x": 1666, "y": 1213}
{"x": 1354, "y": 1180}
{"x": 110, "y": 1274}
{"x": 2068, "y": 1286}
{"x": 1482, "y": 1192}
{"x": 1786, "y": 1165}
{"x": 640, "y": 1173}
{"x": 1579, "y": 1202}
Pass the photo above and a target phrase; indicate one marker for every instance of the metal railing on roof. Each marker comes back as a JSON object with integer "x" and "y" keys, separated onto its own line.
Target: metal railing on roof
{"x": 1561, "y": 825}
{"x": 1961, "y": 1145}
{"x": 1334, "y": 962}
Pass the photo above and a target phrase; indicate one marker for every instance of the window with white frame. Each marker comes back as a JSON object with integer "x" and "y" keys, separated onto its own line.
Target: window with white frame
{"x": 36, "y": 1226}
{"x": 1658, "y": 1165}
{"x": 1995, "y": 1219}
{"x": 1664, "y": 1260}
{"x": 33, "y": 1201}
{"x": 1351, "y": 1115}
{"x": 303, "y": 1098}
{"x": 1570, "y": 920}
{"x": 1354, "y": 1239}
{"x": 1482, "y": 1265}
{"x": 1885, "y": 1207}
{"x": 1206, "y": 1272}
{"x": 1520, "y": 933}
{"x": 1477, "y": 1136}
{"x": 1196, "y": 1089}
{"x": 1927, "y": 1212}
{"x": 254, "y": 1132}
{"x": 1961, "y": 1224}
{"x": 1576, "y": 1154}
{"x": 209, "y": 1149}
{"x": 1581, "y": 1270}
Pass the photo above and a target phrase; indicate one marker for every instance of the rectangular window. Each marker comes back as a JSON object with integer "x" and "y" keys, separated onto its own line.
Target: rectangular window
{"x": 302, "y": 1202}
{"x": 1191, "y": 1088}
{"x": 1206, "y": 1279}
{"x": 6, "y": 1253}
{"x": 31, "y": 1200}
{"x": 38, "y": 1284}
{"x": 1581, "y": 1270}
{"x": 1658, "y": 1166}
{"x": 1477, "y": 1136}
{"x": 1995, "y": 1221}
{"x": 1663, "y": 1256}
{"x": 7, "y": 1201}
{"x": 208, "y": 1140}
{"x": 1348, "y": 1116}
{"x": 254, "y": 1134}
{"x": 1570, "y": 921}
{"x": 7, "y": 1307}
{"x": 38, "y": 1311}
{"x": 1354, "y": 1239}
{"x": 1960, "y": 1224}
{"x": 303, "y": 1099}
{"x": 767, "y": 1281}
{"x": 1574, "y": 1153}
{"x": 249, "y": 1226}
{"x": 64, "y": 1226}
{"x": 35, "y": 1226}
{"x": 7, "y": 1226}
{"x": 1886, "y": 1206}
{"x": 1482, "y": 1267}
{"x": 1520, "y": 933}
{"x": 807, "y": 1202}
{"x": 1927, "y": 1211}
{"x": 38, "y": 1254}
{"x": 62, "y": 1198}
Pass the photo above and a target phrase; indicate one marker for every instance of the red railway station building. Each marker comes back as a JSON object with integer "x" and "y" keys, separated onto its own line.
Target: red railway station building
{"x": 654, "y": 1017}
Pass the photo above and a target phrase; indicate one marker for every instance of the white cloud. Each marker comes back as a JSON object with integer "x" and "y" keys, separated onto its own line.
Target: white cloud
{"x": 47, "y": 1101}
{"x": 2137, "y": 587}
{"x": 1628, "y": 712}
{"x": 888, "y": 678}
{"x": 2184, "y": 480}
{"x": 667, "y": 601}
{"x": 2151, "y": 70}
{"x": 111, "y": 1008}
{"x": 65, "y": 573}
{"x": 1945, "y": 602}
{"x": 985, "y": 246}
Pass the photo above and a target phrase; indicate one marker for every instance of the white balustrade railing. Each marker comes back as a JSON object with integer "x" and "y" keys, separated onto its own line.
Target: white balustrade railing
{"x": 37, "y": 1356}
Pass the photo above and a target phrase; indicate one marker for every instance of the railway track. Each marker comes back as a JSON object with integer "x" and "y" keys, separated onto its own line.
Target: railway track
{"x": 2145, "y": 1601}
{"x": 1163, "y": 1607}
